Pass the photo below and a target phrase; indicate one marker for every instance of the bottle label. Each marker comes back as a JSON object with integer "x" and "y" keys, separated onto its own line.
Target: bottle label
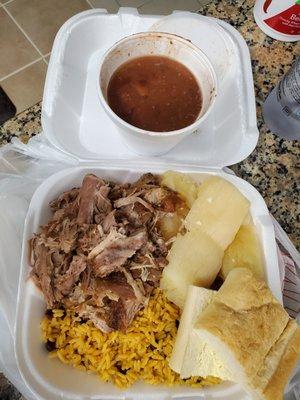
{"x": 288, "y": 92}
{"x": 287, "y": 22}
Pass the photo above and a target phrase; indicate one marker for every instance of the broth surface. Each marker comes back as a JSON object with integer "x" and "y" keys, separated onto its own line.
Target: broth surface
{"x": 155, "y": 93}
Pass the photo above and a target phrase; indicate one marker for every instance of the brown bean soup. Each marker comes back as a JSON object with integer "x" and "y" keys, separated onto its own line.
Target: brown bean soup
{"x": 155, "y": 93}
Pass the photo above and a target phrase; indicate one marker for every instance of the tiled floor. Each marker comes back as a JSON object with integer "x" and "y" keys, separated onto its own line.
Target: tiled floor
{"x": 27, "y": 30}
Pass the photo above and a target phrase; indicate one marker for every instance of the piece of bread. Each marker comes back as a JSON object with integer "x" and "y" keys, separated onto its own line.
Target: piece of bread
{"x": 191, "y": 356}
{"x": 270, "y": 381}
{"x": 197, "y": 300}
{"x": 202, "y": 359}
{"x": 247, "y": 319}
{"x": 251, "y": 334}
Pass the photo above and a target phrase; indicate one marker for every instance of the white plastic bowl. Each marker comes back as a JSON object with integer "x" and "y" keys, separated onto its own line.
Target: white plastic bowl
{"x": 163, "y": 44}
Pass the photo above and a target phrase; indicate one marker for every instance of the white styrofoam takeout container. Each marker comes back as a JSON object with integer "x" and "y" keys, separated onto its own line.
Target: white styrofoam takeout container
{"x": 160, "y": 44}
{"x": 48, "y": 378}
{"x": 73, "y": 122}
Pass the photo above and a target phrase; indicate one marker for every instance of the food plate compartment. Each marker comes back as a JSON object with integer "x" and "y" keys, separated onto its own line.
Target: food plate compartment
{"x": 49, "y": 378}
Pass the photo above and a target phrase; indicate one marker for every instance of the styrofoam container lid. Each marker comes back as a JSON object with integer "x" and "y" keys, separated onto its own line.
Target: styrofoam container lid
{"x": 75, "y": 122}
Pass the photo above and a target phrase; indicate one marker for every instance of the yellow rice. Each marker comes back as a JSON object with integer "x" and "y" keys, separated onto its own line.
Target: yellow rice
{"x": 141, "y": 353}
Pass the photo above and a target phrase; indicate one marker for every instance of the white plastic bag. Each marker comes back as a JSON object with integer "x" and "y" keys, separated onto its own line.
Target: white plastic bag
{"x": 22, "y": 169}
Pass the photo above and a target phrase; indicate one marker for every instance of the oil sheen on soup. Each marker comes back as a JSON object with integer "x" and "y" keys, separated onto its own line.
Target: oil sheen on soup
{"x": 155, "y": 93}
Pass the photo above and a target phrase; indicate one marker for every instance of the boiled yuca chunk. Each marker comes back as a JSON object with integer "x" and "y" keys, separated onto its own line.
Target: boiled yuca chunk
{"x": 219, "y": 210}
{"x": 170, "y": 225}
{"x": 244, "y": 252}
{"x": 194, "y": 259}
{"x": 248, "y": 220}
{"x": 182, "y": 184}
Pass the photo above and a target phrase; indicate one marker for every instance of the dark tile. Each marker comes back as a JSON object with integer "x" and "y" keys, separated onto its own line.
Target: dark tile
{"x": 25, "y": 88}
{"x": 7, "y": 108}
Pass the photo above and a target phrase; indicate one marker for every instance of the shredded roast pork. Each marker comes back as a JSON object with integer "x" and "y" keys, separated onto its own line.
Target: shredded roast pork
{"x": 101, "y": 254}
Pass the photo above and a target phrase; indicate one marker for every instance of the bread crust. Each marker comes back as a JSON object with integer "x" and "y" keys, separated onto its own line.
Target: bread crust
{"x": 274, "y": 389}
{"x": 254, "y": 335}
{"x": 242, "y": 316}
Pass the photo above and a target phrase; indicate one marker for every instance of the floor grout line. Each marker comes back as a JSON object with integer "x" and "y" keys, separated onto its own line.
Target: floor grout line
{"x": 21, "y": 69}
{"x": 145, "y": 2}
{"x": 44, "y": 58}
{"x": 22, "y": 30}
{"x": 88, "y": 1}
{"x": 7, "y": 2}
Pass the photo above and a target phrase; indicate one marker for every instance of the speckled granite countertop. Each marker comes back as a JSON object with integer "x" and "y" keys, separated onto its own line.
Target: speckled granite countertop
{"x": 272, "y": 167}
